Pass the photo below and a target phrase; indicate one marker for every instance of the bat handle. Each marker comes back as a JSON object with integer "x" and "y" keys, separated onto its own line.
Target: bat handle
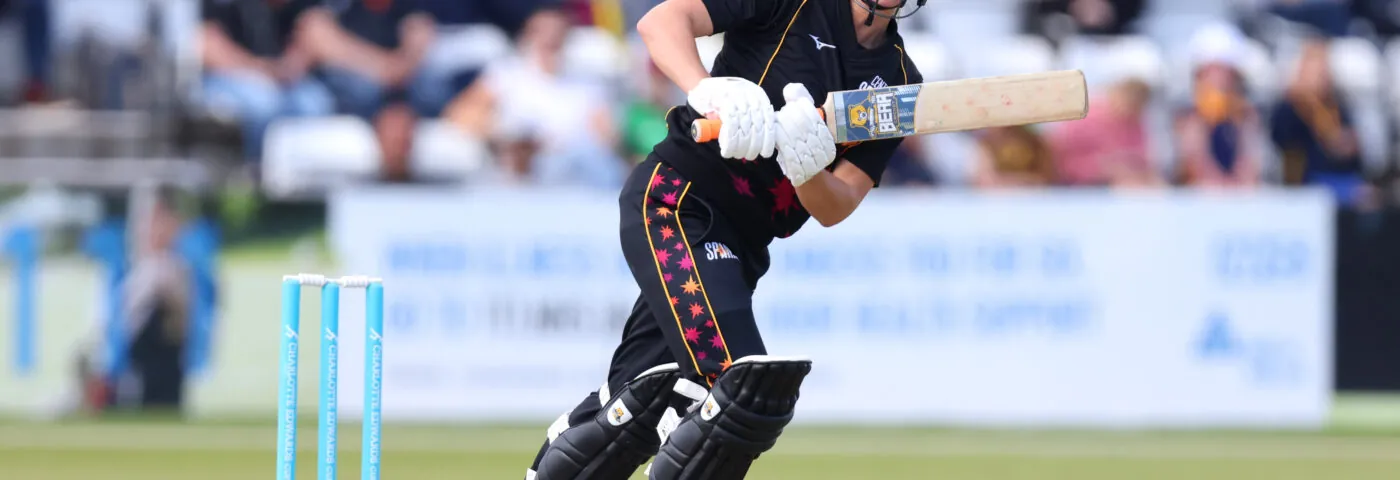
{"x": 707, "y": 130}
{"x": 704, "y": 130}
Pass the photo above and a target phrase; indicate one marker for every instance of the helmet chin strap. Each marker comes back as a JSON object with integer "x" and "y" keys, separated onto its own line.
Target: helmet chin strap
{"x": 873, "y": 7}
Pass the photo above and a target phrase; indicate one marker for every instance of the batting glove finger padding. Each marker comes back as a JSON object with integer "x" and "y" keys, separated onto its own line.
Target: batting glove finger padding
{"x": 746, "y": 131}
{"x": 805, "y": 145}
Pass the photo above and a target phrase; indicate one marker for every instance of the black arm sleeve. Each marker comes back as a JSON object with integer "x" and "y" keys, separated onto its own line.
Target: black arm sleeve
{"x": 871, "y": 157}
{"x": 751, "y": 15}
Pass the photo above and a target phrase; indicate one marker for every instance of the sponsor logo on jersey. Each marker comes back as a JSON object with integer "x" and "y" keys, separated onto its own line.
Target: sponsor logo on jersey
{"x": 876, "y": 82}
{"x": 820, "y": 44}
{"x": 716, "y": 251}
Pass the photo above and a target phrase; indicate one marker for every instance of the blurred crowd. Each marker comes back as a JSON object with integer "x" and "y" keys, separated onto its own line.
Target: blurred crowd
{"x": 1241, "y": 93}
{"x": 1213, "y": 94}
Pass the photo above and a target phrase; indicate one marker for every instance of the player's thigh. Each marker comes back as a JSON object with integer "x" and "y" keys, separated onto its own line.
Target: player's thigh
{"x": 644, "y": 345}
{"x": 703, "y": 307}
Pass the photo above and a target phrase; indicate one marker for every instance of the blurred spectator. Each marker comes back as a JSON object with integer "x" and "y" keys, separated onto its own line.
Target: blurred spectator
{"x": 1011, "y": 157}
{"x": 456, "y": 58}
{"x": 1312, "y": 128}
{"x": 1384, "y": 15}
{"x": 156, "y": 307}
{"x": 33, "y": 16}
{"x": 562, "y": 132}
{"x": 256, "y": 68}
{"x": 508, "y": 15}
{"x": 1056, "y": 19}
{"x": 582, "y": 12}
{"x": 1219, "y": 136}
{"x": 1109, "y": 146}
{"x": 644, "y": 116}
{"x": 633, "y": 10}
{"x": 1331, "y": 17}
{"x": 907, "y": 167}
{"x": 370, "y": 52}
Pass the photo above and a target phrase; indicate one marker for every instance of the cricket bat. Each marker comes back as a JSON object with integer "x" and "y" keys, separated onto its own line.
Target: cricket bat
{"x": 948, "y": 106}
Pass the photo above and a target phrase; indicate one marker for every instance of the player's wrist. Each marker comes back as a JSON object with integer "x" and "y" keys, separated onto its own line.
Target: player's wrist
{"x": 688, "y": 83}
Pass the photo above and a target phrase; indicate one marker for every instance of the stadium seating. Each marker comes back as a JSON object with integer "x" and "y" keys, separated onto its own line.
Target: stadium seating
{"x": 304, "y": 156}
{"x": 929, "y": 55}
{"x": 468, "y": 47}
{"x": 441, "y": 152}
{"x": 965, "y": 23}
{"x": 594, "y": 53}
{"x": 1105, "y": 60}
{"x": 1008, "y": 55}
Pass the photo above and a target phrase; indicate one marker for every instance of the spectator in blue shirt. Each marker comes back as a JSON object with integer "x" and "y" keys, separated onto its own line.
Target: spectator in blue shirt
{"x": 255, "y": 68}
{"x": 370, "y": 53}
{"x": 1313, "y": 130}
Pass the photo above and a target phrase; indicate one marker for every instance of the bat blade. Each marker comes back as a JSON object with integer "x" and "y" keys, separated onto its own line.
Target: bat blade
{"x": 948, "y": 106}
{"x": 957, "y": 105}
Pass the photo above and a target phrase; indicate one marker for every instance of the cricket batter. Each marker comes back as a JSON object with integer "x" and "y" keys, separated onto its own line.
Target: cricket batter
{"x": 691, "y": 382}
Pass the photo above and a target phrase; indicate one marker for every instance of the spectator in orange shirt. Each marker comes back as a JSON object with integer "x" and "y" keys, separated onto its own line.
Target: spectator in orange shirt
{"x": 1220, "y": 136}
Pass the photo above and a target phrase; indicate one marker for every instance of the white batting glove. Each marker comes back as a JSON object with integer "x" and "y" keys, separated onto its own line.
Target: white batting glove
{"x": 746, "y": 131}
{"x": 805, "y": 146}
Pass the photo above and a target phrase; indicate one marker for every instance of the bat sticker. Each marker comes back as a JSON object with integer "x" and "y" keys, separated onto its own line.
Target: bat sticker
{"x": 876, "y": 114}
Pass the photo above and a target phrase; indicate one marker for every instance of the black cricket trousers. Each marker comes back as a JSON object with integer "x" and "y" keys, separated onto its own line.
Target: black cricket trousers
{"x": 696, "y": 304}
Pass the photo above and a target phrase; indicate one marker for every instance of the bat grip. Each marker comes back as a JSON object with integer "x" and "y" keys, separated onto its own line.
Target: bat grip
{"x": 707, "y": 130}
{"x": 704, "y": 130}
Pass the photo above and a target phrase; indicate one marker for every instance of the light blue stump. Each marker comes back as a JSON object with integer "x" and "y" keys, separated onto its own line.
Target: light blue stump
{"x": 374, "y": 379}
{"x": 330, "y": 374}
{"x": 287, "y": 383}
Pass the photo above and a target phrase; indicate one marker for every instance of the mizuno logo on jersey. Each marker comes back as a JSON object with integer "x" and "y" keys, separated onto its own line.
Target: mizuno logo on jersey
{"x": 876, "y": 82}
{"x": 821, "y": 45}
{"x": 716, "y": 251}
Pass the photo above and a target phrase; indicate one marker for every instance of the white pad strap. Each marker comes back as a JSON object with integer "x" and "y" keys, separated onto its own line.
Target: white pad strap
{"x": 772, "y": 359}
{"x": 691, "y": 390}
{"x": 557, "y": 428}
{"x": 669, "y": 421}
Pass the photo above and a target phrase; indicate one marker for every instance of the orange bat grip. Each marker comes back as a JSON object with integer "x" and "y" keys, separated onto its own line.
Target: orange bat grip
{"x": 707, "y": 130}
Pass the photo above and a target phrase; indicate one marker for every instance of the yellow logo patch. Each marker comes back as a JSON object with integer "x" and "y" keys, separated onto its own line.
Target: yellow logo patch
{"x": 859, "y": 116}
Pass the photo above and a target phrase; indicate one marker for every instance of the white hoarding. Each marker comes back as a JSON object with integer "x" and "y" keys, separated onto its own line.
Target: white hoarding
{"x": 1044, "y": 309}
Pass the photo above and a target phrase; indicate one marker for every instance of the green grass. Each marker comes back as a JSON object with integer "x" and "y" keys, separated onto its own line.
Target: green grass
{"x": 166, "y": 450}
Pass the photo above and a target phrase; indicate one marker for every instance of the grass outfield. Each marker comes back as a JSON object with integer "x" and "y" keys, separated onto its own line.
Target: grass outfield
{"x": 156, "y": 451}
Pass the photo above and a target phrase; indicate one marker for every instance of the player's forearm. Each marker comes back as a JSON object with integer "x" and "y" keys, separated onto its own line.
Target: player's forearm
{"x": 829, "y": 199}
{"x": 669, "y": 31}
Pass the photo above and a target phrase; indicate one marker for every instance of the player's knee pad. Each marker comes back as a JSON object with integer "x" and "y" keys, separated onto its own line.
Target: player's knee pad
{"x": 620, "y": 438}
{"x": 746, "y": 411}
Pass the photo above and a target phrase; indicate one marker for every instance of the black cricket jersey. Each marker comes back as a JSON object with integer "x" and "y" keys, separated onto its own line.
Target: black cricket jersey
{"x": 774, "y": 43}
